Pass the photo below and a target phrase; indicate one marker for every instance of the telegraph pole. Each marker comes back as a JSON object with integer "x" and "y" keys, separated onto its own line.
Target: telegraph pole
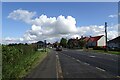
{"x": 45, "y": 45}
{"x": 106, "y": 36}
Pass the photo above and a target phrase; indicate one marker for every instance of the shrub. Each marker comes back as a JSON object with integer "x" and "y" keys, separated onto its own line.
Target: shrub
{"x": 98, "y": 48}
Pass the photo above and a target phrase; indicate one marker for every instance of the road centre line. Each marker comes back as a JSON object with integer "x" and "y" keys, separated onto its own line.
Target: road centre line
{"x": 78, "y": 60}
{"x": 73, "y": 58}
{"x": 92, "y": 56}
{"x": 86, "y": 64}
{"x": 100, "y": 69}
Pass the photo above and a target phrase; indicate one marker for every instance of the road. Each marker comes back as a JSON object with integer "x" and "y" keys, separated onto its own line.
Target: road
{"x": 46, "y": 69}
{"x": 76, "y": 64}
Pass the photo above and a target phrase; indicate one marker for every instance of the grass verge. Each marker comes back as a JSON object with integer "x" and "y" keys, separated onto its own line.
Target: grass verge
{"x": 25, "y": 64}
{"x": 32, "y": 62}
{"x": 109, "y": 52}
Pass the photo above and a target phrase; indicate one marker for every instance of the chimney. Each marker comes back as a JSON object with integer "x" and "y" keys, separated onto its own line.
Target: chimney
{"x": 77, "y": 38}
{"x": 81, "y": 37}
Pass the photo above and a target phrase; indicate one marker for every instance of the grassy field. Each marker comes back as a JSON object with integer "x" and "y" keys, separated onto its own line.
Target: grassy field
{"x": 24, "y": 65}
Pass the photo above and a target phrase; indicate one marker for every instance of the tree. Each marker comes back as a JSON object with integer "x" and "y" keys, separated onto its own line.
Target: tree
{"x": 70, "y": 43}
{"x": 63, "y": 42}
{"x": 55, "y": 44}
{"x": 81, "y": 43}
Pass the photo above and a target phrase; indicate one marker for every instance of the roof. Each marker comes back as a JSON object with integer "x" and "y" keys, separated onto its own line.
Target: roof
{"x": 117, "y": 39}
{"x": 86, "y": 39}
{"x": 96, "y": 38}
{"x": 40, "y": 42}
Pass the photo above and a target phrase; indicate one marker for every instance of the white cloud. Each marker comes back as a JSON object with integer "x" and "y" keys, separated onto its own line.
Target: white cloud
{"x": 95, "y": 30}
{"x": 91, "y": 30}
{"x": 8, "y": 40}
{"x": 54, "y": 28}
{"x": 23, "y": 15}
{"x": 113, "y": 16}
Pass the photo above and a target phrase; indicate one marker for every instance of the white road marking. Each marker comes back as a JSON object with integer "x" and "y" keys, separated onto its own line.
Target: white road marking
{"x": 56, "y": 56}
{"x": 114, "y": 60}
{"x": 56, "y": 53}
{"x": 100, "y": 69}
{"x": 78, "y": 60}
{"x": 86, "y": 64}
{"x": 73, "y": 58}
{"x": 92, "y": 56}
{"x": 58, "y": 67}
{"x": 118, "y": 76}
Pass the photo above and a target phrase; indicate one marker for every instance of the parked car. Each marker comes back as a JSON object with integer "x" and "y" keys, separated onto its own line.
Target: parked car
{"x": 59, "y": 48}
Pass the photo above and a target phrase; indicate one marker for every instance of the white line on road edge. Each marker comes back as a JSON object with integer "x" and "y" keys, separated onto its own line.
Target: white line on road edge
{"x": 100, "y": 69}
{"x": 118, "y": 76}
{"x": 58, "y": 68}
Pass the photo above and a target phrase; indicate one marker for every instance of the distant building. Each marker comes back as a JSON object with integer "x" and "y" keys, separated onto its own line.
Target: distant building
{"x": 40, "y": 44}
{"x": 95, "y": 41}
{"x": 73, "y": 43}
{"x": 89, "y": 41}
{"x": 114, "y": 43}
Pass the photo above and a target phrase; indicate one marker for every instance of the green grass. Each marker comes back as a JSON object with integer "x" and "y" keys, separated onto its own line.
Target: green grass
{"x": 25, "y": 64}
{"x": 31, "y": 61}
{"x": 109, "y": 52}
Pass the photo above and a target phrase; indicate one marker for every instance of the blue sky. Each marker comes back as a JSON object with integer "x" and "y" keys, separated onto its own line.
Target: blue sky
{"x": 85, "y": 13}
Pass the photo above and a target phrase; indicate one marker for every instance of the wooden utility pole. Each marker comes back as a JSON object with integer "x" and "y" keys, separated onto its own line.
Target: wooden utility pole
{"x": 106, "y": 36}
{"x": 45, "y": 45}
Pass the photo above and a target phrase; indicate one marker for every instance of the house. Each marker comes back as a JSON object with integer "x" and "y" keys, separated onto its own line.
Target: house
{"x": 89, "y": 42}
{"x": 95, "y": 41}
{"x": 114, "y": 43}
{"x": 40, "y": 44}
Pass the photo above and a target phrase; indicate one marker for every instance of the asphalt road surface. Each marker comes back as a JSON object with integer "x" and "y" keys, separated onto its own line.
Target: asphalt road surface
{"x": 81, "y": 64}
{"x": 46, "y": 69}
{"x": 77, "y": 64}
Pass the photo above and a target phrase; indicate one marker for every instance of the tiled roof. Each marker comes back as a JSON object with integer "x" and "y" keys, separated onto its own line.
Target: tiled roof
{"x": 96, "y": 38}
{"x": 86, "y": 39}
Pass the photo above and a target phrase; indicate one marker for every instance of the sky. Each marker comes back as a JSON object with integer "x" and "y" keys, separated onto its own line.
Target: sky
{"x": 60, "y": 0}
{"x": 31, "y": 21}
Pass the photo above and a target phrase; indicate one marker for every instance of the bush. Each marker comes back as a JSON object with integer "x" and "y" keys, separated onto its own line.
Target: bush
{"x": 12, "y": 55}
{"x": 98, "y": 48}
